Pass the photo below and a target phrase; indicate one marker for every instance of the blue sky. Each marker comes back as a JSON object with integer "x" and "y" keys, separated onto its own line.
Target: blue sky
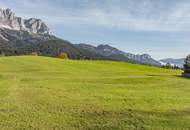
{"x": 160, "y": 28}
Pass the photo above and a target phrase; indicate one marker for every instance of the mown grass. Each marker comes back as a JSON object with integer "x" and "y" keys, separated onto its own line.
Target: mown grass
{"x": 48, "y": 93}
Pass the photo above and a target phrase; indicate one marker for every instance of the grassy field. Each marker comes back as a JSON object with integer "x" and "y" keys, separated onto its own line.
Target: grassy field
{"x": 48, "y": 93}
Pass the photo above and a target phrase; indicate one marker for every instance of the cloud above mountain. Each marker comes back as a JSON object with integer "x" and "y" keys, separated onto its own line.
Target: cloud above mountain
{"x": 135, "y": 15}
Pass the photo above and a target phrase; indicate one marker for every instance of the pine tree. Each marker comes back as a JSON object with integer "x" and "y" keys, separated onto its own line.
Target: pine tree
{"x": 187, "y": 65}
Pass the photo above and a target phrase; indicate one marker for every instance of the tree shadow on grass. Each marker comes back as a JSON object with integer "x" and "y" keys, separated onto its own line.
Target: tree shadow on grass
{"x": 157, "y": 75}
{"x": 182, "y": 76}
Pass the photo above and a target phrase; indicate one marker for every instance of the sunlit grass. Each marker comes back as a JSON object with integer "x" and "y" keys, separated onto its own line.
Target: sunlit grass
{"x": 49, "y": 93}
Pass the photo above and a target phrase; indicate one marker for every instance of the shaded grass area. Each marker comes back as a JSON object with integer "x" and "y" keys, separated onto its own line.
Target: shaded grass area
{"x": 48, "y": 93}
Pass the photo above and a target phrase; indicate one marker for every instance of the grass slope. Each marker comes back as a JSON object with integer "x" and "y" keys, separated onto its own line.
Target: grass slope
{"x": 48, "y": 93}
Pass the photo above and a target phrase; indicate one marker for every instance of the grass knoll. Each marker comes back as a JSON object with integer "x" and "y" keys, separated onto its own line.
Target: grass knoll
{"x": 48, "y": 93}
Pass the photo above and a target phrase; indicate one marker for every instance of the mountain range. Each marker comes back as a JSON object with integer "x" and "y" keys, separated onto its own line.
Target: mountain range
{"x": 20, "y": 36}
{"x": 118, "y": 55}
{"x": 32, "y": 25}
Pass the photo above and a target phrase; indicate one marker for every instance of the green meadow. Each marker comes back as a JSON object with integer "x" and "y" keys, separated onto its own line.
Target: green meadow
{"x": 49, "y": 93}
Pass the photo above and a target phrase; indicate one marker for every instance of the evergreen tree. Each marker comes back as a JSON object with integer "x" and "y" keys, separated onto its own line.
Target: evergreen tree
{"x": 187, "y": 65}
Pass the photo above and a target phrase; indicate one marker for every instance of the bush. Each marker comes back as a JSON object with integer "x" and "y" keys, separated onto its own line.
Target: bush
{"x": 63, "y": 55}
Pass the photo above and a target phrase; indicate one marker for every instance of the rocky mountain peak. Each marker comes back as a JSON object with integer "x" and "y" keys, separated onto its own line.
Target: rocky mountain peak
{"x": 108, "y": 48}
{"x": 6, "y": 14}
{"x": 10, "y": 21}
{"x": 146, "y": 56}
{"x": 118, "y": 55}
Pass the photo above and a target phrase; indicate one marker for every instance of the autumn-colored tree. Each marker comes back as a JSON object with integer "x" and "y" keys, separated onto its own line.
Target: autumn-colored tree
{"x": 63, "y": 55}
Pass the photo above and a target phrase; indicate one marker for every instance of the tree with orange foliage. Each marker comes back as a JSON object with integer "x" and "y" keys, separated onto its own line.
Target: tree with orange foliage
{"x": 63, "y": 55}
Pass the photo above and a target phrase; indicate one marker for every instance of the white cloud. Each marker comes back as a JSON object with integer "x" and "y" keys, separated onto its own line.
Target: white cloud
{"x": 145, "y": 15}
{"x": 140, "y": 18}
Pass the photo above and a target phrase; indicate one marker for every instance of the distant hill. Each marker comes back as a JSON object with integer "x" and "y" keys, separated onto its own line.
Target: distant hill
{"x": 178, "y": 62}
{"x": 118, "y": 55}
{"x": 20, "y": 36}
{"x": 13, "y": 42}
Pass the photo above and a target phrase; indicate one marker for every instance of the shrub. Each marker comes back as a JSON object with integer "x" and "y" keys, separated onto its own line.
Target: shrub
{"x": 63, "y": 55}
